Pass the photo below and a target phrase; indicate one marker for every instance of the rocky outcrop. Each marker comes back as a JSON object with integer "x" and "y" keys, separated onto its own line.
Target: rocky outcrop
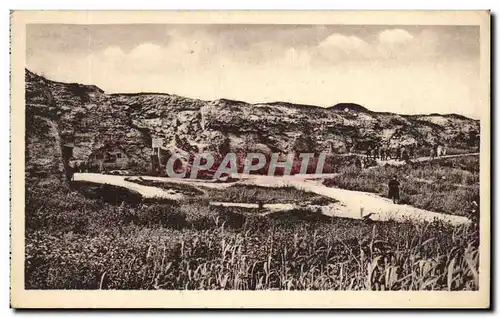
{"x": 58, "y": 113}
{"x": 43, "y": 142}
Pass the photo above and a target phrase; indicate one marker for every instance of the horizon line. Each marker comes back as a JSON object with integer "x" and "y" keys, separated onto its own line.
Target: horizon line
{"x": 258, "y": 103}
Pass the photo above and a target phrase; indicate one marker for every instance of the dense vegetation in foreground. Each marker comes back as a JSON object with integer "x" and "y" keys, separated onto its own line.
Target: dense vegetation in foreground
{"x": 76, "y": 242}
{"x": 444, "y": 185}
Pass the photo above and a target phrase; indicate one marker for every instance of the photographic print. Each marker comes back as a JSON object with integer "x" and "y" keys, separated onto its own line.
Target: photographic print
{"x": 250, "y": 159}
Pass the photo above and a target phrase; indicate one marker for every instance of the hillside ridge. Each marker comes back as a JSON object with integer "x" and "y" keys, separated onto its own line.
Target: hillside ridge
{"x": 89, "y": 119}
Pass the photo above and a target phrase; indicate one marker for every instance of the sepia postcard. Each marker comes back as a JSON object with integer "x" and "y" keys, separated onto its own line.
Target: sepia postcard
{"x": 250, "y": 159}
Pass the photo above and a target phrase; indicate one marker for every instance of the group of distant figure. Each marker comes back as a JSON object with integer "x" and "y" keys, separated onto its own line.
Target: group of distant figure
{"x": 437, "y": 151}
{"x": 402, "y": 153}
{"x": 384, "y": 153}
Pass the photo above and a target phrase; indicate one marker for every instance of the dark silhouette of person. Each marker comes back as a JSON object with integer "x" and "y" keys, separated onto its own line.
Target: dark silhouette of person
{"x": 70, "y": 170}
{"x": 406, "y": 157}
{"x": 394, "y": 189}
{"x": 432, "y": 153}
{"x": 261, "y": 206}
{"x": 412, "y": 152}
{"x": 357, "y": 163}
{"x": 474, "y": 211}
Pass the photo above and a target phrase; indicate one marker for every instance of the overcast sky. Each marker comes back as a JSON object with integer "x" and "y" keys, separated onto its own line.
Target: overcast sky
{"x": 403, "y": 69}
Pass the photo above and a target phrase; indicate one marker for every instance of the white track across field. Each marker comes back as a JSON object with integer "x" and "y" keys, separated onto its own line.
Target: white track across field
{"x": 352, "y": 204}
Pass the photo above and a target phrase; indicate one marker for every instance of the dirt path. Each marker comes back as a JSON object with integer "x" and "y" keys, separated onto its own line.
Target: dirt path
{"x": 356, "y": 204}
{"x": 145, "y": 191}
{"x": 353, "y": 204}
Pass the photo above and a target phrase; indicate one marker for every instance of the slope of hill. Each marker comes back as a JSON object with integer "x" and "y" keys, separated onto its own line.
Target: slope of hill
{"x": 349, "y": 107}
{"x": 58, "y": 113}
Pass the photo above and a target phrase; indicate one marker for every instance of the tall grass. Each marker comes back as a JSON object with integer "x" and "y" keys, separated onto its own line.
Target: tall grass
{"x": 73, "y": 242}
{"x": 376, "y": 257}
{"x": 255, "y": 194}
{"x": 445, "y": 185}
{"x": 185, "y": 189}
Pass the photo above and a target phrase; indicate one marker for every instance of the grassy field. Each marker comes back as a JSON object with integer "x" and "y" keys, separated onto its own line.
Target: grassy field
{"x": 242, "y": 193}
{"x": 185, "y": 189}
{"x": 256, "y": 194}
{"x": 77, "y": 242}
{"x": 444, "y": 185}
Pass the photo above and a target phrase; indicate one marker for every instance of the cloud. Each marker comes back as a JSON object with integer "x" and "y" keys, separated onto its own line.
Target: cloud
{"x": 194, "y": 50}
{"x": 147, "y": 51}
{"x": 395, "y": 36}
{"x": 349, "y": 44}
{"x": 377, "y": 67}
{"x": 182, "y": 52}
{"x": 389, "y": 44}
{"x": 338, "y": 47}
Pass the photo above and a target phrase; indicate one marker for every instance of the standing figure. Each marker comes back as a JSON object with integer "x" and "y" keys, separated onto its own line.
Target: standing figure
{"x": 405, "y": 156}
{"x": 394, "y": 189}
{"x": 369, "y": 152}
{"x": 398, "y": 153}
{"x": 357, "y": 163}
{"x": 261, "y": 206}
{"x": 70, "y": 171}
{"x": 439, "y": 151}
{"x": 352, "y": 149}
{"x": 412, "y": 152}
{"x": 432, "y": 153}
{"x": 474, "y": 212}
